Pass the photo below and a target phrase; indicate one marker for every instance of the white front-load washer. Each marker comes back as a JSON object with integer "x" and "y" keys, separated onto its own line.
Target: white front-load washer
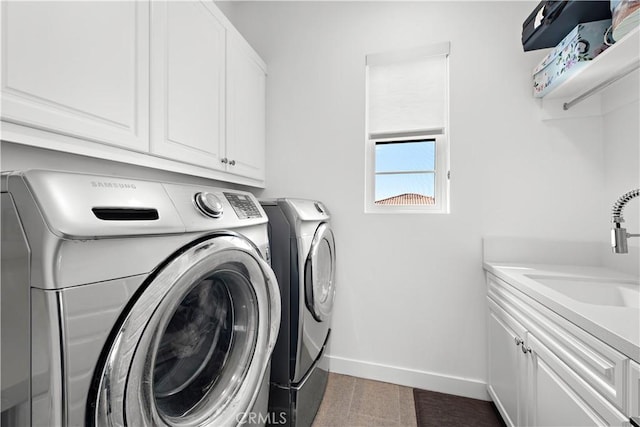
{"x": 133, "y": 303}
{"x": 303, "y": 257}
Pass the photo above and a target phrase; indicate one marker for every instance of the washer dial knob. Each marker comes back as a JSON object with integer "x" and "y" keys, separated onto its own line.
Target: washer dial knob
{"x": 209, "y": 204}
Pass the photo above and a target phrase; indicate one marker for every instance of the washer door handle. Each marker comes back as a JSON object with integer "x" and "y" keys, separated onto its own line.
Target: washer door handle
{"x": 275, "y": 313}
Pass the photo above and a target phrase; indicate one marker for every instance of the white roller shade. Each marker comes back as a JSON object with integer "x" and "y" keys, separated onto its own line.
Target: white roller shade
{"x": 407, "y": 94}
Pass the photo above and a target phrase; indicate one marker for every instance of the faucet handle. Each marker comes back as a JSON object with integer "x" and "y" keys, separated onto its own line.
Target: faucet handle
{"x": 619, "y": 237}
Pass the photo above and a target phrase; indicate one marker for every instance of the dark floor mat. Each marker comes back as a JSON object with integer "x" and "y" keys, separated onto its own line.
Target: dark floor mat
{"x": 444, "y": 410}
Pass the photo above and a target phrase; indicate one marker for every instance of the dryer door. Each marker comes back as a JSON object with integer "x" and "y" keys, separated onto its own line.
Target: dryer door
{"x": 194, "y": 346}
{"x": 320, "y": 273}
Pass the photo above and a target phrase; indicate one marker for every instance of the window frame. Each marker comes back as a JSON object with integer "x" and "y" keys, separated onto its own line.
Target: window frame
{"x": 441, "y": 173}
{"x": 440, "y": 135}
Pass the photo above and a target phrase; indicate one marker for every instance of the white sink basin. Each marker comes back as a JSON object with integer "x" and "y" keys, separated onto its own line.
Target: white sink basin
{"x": 620, "y": 293}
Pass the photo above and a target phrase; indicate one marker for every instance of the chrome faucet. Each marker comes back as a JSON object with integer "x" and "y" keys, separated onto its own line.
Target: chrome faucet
{"x": 619, "y": 234}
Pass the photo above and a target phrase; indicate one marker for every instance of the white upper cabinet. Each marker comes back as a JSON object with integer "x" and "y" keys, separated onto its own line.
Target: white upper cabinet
{"x": 79, "y": 69}
{"x": 207, "y": 91}
{"x": 188, "y": 83}
{"x": 162, "y": 84}
{"x": 245, "y": 110}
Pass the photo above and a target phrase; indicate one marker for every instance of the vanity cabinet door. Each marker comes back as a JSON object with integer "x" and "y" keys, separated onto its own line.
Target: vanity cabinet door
{"x": 188, "y": 83}
{"x": 246, "y": 97}
{"x": 560, "y": 397}
{"x": 507, "y": 365}
{"x": 634, "y": 389}
{"x": 79, "y": 69}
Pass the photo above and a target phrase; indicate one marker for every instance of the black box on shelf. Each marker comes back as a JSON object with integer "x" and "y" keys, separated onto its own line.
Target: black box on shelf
{"x": 551, "y": 21}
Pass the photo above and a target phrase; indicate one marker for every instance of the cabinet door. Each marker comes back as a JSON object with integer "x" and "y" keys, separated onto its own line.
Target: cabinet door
{"x": 507, "y": 367}
{"x": 634, "y": 389}
{"x": 78, "y": 68}
{"x": 559, "y": 397}
{"x": 188, "y": 83}
{"x": 245, "y": 110}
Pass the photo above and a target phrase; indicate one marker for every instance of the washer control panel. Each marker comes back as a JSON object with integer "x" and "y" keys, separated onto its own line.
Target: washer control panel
{"x": 209, "y": 204}
{"x": 244, "y": 205}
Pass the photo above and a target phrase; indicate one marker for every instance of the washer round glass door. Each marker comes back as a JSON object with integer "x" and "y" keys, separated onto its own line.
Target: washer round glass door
{"x": 320, "y": 273}
{"x": 194, "y": 347}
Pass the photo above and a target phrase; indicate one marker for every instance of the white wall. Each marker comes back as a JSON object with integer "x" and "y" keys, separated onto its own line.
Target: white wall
{"x": 621, "y": 124}
{"x": 410, "y": 304}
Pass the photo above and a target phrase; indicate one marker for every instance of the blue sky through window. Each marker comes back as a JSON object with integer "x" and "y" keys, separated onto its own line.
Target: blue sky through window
{"x": 417, "y": 157}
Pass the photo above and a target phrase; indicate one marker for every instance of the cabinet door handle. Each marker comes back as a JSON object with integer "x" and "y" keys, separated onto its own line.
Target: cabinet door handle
{"x": 526, "y": 349}
{"x": 519, "y": 340}
{"x": 224, "y": 160}
{"x": 232, "y": 162}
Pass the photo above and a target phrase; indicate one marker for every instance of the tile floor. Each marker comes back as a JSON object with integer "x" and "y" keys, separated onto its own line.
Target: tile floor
{"x": 356, "y": 402}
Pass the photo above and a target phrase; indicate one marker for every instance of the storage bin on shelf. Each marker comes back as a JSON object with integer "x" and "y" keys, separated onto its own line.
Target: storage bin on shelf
{"x": 625, "y": 16}
{"x": 581, "y": 45}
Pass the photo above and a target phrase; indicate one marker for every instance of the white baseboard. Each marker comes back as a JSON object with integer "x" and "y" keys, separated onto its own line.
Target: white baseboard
{"x": 458, "y": 386}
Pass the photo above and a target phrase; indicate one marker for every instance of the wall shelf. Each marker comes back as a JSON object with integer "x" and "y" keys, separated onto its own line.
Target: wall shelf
{"x": 604, "y": 66}
{"x": 618, "y": 58}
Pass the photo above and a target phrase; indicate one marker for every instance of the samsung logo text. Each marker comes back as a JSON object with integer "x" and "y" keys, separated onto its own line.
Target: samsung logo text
{"x": 103, "y": 184}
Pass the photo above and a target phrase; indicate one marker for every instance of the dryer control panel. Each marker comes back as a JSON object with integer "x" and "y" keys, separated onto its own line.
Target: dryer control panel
{"x": 244, "y": 205}
{"x": 210, "y": 208}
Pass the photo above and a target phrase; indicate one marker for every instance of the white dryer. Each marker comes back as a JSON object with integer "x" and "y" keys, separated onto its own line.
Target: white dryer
{"x": 303, "y": 258}
{"x": 133, "y": 303}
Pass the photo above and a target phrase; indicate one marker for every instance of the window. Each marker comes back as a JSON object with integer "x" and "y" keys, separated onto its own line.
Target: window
{"x": 406, "y": 143}
{"x": 406, "y": 168}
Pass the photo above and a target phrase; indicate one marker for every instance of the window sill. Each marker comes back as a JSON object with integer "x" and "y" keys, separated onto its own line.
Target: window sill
{"x": 405, "y": 210}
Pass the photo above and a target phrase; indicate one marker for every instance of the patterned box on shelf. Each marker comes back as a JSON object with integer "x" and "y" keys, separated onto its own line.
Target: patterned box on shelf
{"x": 581, "y": 45}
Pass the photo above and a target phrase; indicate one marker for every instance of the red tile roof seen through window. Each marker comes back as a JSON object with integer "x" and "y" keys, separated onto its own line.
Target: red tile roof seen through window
{"x": 407, "y": 199}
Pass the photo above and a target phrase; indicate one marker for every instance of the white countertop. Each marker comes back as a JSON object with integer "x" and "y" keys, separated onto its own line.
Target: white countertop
{"x": 619, "y": 327}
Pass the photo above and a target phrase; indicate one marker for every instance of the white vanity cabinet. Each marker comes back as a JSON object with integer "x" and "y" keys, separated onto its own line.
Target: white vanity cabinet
{"x": 552, "y": 401}
{"x": 507, "y": 365}
{"x": 634, "y": 389}
{"x": 545, "y": 371}
{"x": 560, "y": 397}
{"x": 79, "y": 69}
